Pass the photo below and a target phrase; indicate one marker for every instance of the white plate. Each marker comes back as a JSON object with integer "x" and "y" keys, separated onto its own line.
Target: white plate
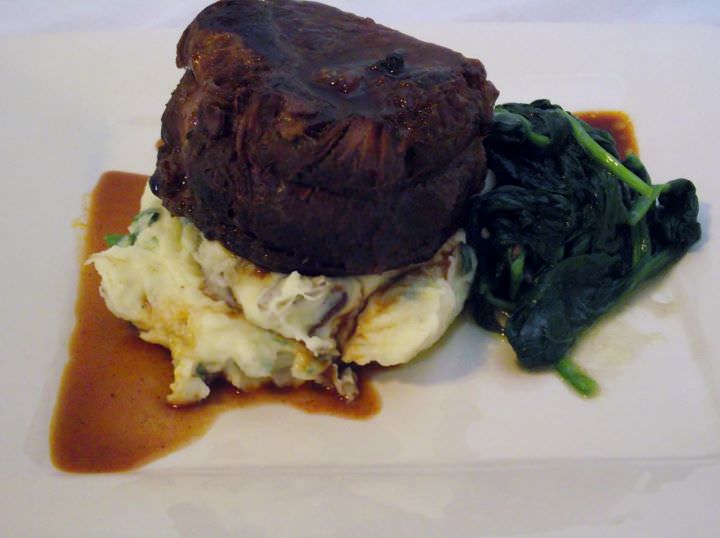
{"x": 466, "y": 445}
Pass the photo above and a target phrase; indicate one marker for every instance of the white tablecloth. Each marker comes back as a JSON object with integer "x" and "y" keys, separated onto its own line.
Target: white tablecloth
{"x": 25, "y": 16}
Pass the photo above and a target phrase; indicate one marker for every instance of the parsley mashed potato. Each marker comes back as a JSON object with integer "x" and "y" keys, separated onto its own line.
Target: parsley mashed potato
{"x": 221, "y": 315}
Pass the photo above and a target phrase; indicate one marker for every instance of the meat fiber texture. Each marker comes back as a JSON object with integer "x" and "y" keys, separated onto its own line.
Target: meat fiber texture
{"x": 305, "y": 138}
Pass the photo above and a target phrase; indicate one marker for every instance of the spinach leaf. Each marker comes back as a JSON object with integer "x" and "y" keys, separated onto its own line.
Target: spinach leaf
{"x": 117, "y": 239}
{"x": 142, "y": 220}
{"x": 569, "y": 230}
{"x": 569, "y": 298}
{"x": 674, "y": 221}
{"x": 563, "y": 302}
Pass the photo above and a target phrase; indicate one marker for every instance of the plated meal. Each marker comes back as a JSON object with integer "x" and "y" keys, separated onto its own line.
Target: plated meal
{"x": 322, "y": 202}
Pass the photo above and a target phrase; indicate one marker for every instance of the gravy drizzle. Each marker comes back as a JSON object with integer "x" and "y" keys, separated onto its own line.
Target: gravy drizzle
{"x": 111, "y": 413}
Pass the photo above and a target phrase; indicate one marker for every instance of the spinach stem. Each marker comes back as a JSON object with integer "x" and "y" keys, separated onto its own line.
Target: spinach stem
{"x": 608, "y": 161}
{"x": 650, "y": 266}
{"x": 537, "y": 139}
{"x": 507, "y": 306}
{"x": 643, "y": 205}
{"x": 641, "y": 245}
{"x": 516, "y": 259}
{"x": 574, "y": 376}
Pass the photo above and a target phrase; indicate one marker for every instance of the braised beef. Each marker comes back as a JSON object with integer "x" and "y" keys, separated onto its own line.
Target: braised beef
{"x": 305, "y": 138}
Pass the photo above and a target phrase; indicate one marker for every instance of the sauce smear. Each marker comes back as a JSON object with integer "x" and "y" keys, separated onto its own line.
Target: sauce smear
{"x": 111, "y": 413}
{"x": 618, "y": 124}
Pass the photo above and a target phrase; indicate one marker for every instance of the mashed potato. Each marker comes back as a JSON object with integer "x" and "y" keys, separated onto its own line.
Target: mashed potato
{"x": 220, "y": 315}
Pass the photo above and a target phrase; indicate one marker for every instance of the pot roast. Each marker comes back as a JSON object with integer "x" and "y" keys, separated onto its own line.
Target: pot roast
{"x": 305, "y": 138}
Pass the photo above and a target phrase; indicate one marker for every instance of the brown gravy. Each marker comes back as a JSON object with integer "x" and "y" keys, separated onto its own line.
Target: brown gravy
{"x": 618, "y": 124}
{"x": 111, "y": 413}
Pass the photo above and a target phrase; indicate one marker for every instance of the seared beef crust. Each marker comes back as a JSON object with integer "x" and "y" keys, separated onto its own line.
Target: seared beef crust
{"x": 305, "y": 138}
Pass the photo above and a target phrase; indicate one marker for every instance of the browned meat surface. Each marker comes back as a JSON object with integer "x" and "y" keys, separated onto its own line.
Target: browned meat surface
{"x": 305, "y": 138}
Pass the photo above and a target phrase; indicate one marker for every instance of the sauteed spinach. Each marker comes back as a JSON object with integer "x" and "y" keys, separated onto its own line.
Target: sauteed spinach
{"x": 567, "y": 231}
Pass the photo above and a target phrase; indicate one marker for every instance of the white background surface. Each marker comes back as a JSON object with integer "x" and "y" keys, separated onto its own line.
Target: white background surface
{"x": 20, "y": 16}
{"x": 464, "y": 445}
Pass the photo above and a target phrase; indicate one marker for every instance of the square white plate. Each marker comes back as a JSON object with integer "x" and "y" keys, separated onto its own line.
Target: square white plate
{"x": 466, "y": 444}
